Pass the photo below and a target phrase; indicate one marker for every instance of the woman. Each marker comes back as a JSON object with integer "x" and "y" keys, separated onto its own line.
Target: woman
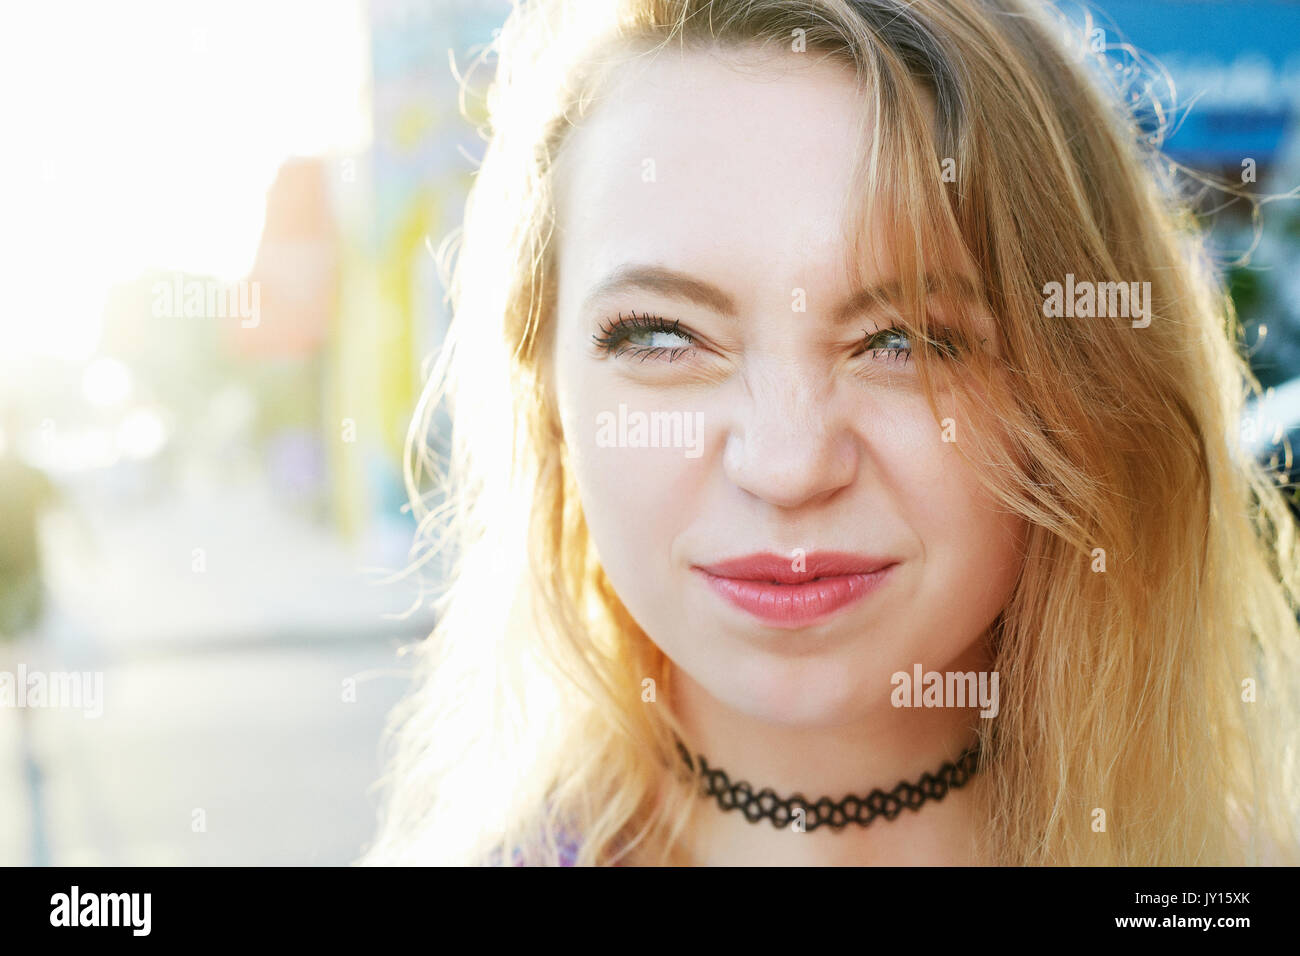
{"x": 842, "y": 405}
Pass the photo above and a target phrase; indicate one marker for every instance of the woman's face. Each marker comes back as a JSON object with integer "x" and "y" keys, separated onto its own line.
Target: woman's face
{"x": 704, "y": 300}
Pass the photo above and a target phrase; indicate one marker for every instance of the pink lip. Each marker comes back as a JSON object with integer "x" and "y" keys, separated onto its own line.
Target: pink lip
{"x": 768, "y": 587}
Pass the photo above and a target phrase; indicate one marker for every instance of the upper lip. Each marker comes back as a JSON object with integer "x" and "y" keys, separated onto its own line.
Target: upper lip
{"x": 780, "y": 569}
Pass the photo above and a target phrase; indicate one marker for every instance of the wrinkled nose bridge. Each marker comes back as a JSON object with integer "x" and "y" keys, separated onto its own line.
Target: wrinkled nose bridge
{"x": 786, "y": 447}
{"x": 789, "y": 405}
{"x": 793, "y": 394}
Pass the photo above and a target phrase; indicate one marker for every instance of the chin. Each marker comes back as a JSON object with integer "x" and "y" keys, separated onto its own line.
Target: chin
{"x": 797, "y": 694}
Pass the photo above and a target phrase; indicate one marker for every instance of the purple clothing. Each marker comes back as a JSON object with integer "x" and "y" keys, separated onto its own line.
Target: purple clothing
{"x": 568, "y": 846}
{"x": 568, "y": 852}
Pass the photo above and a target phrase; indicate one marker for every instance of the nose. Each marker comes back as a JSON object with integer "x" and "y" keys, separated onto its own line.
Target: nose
{"x": 787, "y": 447}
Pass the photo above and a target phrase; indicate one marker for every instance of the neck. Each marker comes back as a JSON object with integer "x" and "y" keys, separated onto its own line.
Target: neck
{"x": 886, "y": 746}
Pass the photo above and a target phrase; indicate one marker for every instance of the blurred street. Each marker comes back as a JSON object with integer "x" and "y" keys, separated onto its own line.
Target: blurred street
{"x": 258, "y": 741}
{"x": 242, "y": 704}
{"x": 208, "y": 373}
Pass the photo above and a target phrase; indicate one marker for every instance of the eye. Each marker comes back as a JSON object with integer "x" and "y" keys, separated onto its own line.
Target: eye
{"x": 643, "y": 337}
{"x": 887, "y": 345}
{"x": 893, "y": 345}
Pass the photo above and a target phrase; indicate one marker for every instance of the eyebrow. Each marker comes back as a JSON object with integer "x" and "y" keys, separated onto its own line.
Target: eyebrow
{"x": 664, "y": 281}
{"x": 888, "y": 293}
{"x": 688, "y": 288}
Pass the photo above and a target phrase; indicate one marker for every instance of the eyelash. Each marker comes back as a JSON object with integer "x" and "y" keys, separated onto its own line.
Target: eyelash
{"x": 944, "y": 344}
{"x": 889, "y": 355}
{"x": 613, "y": 332}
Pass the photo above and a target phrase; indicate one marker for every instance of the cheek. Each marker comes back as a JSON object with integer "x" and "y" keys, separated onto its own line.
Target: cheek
{"x": 635, "y": 499}
{"x": 971, "y": 547}
{"x": 632, "y": 499}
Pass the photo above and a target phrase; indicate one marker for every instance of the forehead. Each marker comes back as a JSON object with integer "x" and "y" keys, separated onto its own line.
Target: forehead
{"x": 738, "y": 166}
{"x": 691, "y": 152}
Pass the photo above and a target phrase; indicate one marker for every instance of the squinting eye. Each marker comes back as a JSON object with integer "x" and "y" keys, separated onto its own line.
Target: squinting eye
{"x": 892, "y": 345}
{"x": 887, "y": 345}
{"x": 643, "y": 337}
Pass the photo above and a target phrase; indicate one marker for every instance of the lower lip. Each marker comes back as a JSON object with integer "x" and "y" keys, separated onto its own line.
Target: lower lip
{"x": 797, "y": 605}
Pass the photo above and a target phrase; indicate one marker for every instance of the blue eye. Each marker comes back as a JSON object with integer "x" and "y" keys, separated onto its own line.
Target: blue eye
{"x": 643, "y": 337}
{"x": 893, "y": 345}
{"x": 889, "y": 345}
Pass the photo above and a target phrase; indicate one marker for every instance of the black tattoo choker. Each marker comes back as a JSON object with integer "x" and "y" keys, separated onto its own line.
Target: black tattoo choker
{"x": 827, "y": 812}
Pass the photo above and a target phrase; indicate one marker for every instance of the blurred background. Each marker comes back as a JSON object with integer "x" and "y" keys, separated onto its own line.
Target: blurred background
{"x": 218, "y": 224}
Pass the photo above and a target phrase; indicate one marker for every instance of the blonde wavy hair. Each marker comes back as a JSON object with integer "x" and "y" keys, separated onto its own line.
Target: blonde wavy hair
{"x": 1162, "y": 689}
